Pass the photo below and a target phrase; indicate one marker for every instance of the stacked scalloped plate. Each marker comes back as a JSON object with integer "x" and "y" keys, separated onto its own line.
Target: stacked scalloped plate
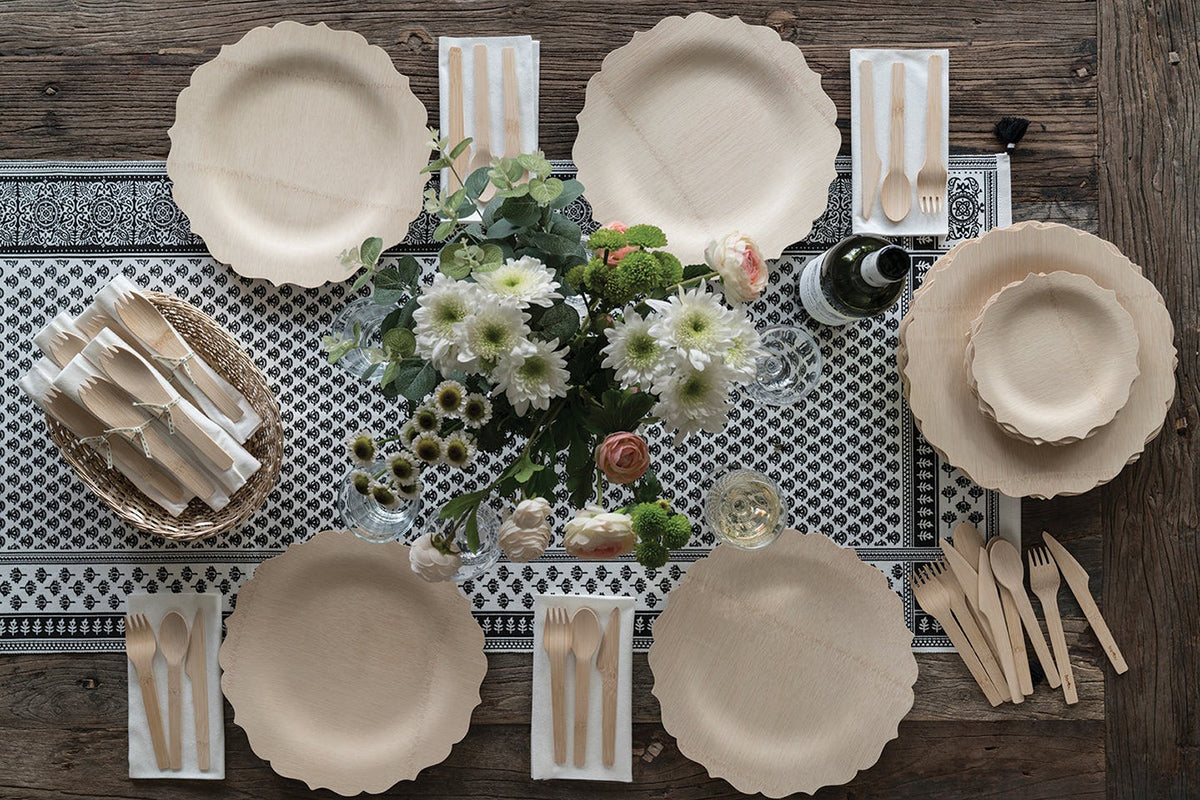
{"x": 1038, "y": 360}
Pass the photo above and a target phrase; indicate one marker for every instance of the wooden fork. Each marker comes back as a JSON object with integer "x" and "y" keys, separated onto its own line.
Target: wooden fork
{"x": 65, "y": 346}
{"x": 966, "y": 620}
{"x": 1043, "y": 579}
{"x": 556, "y": 639}
{"x": 935, "y": 598}
{"x": 140, "y": 646}
{"x": 931, "y": 180}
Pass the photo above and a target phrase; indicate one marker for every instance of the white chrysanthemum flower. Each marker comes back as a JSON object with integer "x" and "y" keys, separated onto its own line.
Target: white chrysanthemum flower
{"x": 745, "y": 349}
{"x": 448, "y": 396}
{"x": 428, "y": 447}
{"x": 362, "y": 448}
{"x": 494, "y": 332}
{"x": 533, "y": 380}
{"x": 476, "y": 411}
{"x": 405, "y": 468}
{"x": 441, "y": 308}
{"x": 523, "y": 281}
{"x": 691, "y": 399}
{"x": 458, "y": 449}
{"x": 408, "y": 432}
{"x": 694, "y": 322}
{"x": 632, "y": 351}
{"x": 362, "y": 481}
{"x": 427, "y": 418}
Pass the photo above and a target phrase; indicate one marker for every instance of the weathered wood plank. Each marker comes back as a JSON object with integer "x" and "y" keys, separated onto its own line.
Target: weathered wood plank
{"x": 1149, "y": 174}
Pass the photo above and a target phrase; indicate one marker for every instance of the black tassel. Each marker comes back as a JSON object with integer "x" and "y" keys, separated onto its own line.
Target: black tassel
{"x": 1010, "y": 130}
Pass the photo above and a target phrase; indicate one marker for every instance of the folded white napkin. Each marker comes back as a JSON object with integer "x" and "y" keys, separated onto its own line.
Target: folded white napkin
{"x": 528, "y": 57}
{"x": 916, "y": 74}
{"x": 542, "y": 765}
{"x": 79, "y": 370}
{"x": 244, "y": 464}
{"x": 241, "y": 429}
{"x": 39, "y": 380}
{"x": 141, "y": 750}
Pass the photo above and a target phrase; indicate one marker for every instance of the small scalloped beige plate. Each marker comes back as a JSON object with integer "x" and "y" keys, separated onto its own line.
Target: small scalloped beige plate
{"x": 704, "y": 126}
{"x": 1052, "y": 357}
{"x": 347, "y": 670}
{"x": 786, "y": 669}
{"x": 294, "y": 144}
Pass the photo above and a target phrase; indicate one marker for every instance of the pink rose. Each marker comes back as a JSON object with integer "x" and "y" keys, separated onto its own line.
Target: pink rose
{"x": 615, "y": 256}
{"x": 623, "y": 457}
{"x": 737, "y": 259}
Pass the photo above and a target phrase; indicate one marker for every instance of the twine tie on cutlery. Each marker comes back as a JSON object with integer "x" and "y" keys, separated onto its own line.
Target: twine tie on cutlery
{"x": 138, "y": 432}
{"x": 177, "y": 362}
{"x": 101, "y": 440}
{"x": 163, "y": 410}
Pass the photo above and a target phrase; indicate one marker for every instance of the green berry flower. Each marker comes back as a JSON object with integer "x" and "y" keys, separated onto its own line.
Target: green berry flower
{"x": 651, "y": 553}
{"x": 645, "y": 236}
{"x": 678, "y": 531}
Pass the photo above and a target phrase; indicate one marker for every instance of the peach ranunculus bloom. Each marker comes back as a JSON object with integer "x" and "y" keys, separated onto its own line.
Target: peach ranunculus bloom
{"x": 623, "y": 457}
{"x": 737, "y": 259}
{"x": 599, "y": 534}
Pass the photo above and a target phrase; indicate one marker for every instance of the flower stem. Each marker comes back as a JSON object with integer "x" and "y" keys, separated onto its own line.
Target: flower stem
{"x": 691, "y": 281}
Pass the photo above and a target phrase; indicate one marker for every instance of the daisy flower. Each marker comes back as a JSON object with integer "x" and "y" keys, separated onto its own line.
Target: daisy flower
{"x": 408, "y": 432}
{"x": 691, "y": 399}
{"x": 745, "y": 349}
{"x": 441, "y": 307}
{"x": 428, "y": 447}
{"x": 448, "y": 396}
{"x": 459, "y": 449}
{"x": 495, "y": 331}
{"x": 534, "y": 379}
{"x": 427, "y": 418}
{"x": 476, "y": 411}
{"x": 362, "y": 449}
{"x": 404, "y": 467}
{"x": 523, "y": 281}
{"x": 362, "y": 482}
{"x": 385, "y": 496}
{"x": 409, "y": 491}
{"x": 632, "y": 351}
{"x": 695, "y": 323}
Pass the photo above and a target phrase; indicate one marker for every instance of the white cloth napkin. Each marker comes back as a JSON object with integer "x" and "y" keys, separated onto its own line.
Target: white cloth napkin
{"x": 916, "y": 75}
{"x": 242, "y": 429}
{"x": 141, "y": 750}
{"x": 244, "y": 464}
{"x": 528, "y": 57}
{"x": 542, "y": 765}
{"x": 39, "y": 380}
{"x": 80, "y": 369}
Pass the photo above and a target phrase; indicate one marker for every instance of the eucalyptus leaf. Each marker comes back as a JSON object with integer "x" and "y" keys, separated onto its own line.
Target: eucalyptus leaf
{"x": 513, "y": 169}
{"x": 399, "y": 343}
{"x": 435, "y": 165}
{"x": 692, "y": 271}
{"x": 553, "y": 244}
{"x": 522, "y": 212}
{"x": 476, "y": 181}
{"x": 545, "y": 191}
{"x": 559, "y": 321}
{"x": 457, "y": 506}
{"x": 408, "y": 271}
{"x": 572, "y": 189}
{"x": 369, "y": 371}
{"x": 443, "y": 231}
{"x": 415, "y": 378}
{"x": 534, "y": 163}
{"x": 363, "y": 278}
{"x": 501, "y": 228}
{"x": 460, "y": 148}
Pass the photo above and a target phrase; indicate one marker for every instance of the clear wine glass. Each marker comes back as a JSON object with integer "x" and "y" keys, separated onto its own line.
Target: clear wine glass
{"x": 368, "y": 520}
{"x": 744, "y": 508}
{"x": 790, "y": 367}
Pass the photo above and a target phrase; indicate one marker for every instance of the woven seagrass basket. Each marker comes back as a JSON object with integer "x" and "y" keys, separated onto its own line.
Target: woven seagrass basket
{"x": 212, "y": 343}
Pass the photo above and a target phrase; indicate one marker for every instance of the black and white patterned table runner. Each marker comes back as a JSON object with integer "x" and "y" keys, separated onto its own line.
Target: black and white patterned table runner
{"x": 849, "y": 459}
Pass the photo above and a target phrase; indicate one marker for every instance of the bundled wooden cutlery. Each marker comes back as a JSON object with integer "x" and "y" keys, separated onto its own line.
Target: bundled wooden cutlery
{"x": 556, "y": 640}
{"x": 978, "y": 596}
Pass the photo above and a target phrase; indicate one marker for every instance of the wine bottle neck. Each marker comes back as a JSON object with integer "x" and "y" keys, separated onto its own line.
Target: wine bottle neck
{"x": 885, "y": 267}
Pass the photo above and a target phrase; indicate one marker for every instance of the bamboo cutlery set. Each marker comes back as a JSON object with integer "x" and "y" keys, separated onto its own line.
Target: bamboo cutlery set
{"x": 482, "y": 151}
{"x": 580, "y": 637}
{"x": 978, "y": 596}
{"x": 185, "y": 651}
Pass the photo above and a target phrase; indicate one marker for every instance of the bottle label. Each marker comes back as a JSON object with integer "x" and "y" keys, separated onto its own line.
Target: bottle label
{"x": 813, "y": 296}
{"x": 870, "y": 271}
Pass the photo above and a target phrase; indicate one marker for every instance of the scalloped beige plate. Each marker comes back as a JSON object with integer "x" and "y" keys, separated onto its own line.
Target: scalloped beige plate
{"x": 293, "y": 144}
{"x": 933, "y": 340}
{"x": 786, "y": 669}
{"x": 703, "y": 126}
{"x": 348, "y": 671}
{"x": 1052, "y": 357}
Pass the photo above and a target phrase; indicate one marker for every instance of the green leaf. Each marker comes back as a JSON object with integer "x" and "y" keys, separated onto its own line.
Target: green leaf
{"x": 535, "y": 163}
{"x": 520, "y": 211}
{"x": 369, "y": 371}
{"x": 648, "y": 489}
{"x": 414, "y": 378}
{"x": 695, "y": 271}
{"x": 472, "y": 530}
{"x": 572, "y": 189}
{"x": 361, "y": 280}
{"x": 545, "y": 191}
{"x": 520, "y": 190}
{"x": 476, "y": 181}
{"x": 513, "y": 169}
{"x": 460, "y": 148}
{"x": 457, "y": 506}
{"x": 524, "y": 468}
{"x": 559, "y": 321}
{"x": 408, "y": 271}
{"x": 336, "y": 347}
{"x": 553, "y": 244}
{"x": 435, "y": 165}
{"x": 400, "y": 318}
{"x": 454, "y": 261}
{"x": 493, "y": 256}
{"x": 390, "y": 373}
{"x": 399, "y": 343}
{"x": 444, "y": 230}
{"x": 370, "y": 250}
{"x": 501, "y": 228}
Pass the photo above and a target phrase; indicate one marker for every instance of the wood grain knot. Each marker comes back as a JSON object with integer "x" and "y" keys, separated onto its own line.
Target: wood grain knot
{"x": 415, "y": 39}
{"x": 782, "y": 22}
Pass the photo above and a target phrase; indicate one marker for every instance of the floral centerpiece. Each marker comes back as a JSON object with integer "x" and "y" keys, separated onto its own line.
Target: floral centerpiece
{"x": 533, "y": 337}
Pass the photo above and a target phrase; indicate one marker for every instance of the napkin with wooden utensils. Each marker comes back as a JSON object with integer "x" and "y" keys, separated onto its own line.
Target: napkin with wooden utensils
{"x": 527, "y": 54}
{"x": 916, "y": 71}
{"x": 542, "y": 765}
{"x": 141, "y": 751}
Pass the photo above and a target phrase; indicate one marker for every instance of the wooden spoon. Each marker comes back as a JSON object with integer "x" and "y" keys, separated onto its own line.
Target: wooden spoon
{"x": 124, "y": 456}
{"x": 896, "y": 192}
{"x": 989, "y": 604}
{"x": 140, "y": 380}
{"x": 585, "y": 638}
{"x": 148, "y": 324}
{"x": 173, "y": 636}
{"x": 1010, "y": 572}
{"x": 114, "y": 408}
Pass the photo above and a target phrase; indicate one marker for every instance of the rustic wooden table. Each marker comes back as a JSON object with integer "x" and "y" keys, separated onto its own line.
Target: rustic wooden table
{"x": 1113, "y": 88}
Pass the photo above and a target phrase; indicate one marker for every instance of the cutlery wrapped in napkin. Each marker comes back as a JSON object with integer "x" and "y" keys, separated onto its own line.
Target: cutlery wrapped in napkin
{"x": 542, "y": 765}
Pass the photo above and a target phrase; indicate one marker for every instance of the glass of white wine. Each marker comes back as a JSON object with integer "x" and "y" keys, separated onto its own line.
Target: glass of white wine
{"x": 744, "y": 509}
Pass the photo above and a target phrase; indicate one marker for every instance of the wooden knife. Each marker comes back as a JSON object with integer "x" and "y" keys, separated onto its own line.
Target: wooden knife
{"x": 1077, "y": 578}
{"x": 608, "y": 661}
{"x": 868, "y": 154}
{"x": 197, "y": 672}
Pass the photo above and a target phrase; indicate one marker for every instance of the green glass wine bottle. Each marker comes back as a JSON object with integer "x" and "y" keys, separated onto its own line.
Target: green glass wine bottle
{"x": 858, "y": 277}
